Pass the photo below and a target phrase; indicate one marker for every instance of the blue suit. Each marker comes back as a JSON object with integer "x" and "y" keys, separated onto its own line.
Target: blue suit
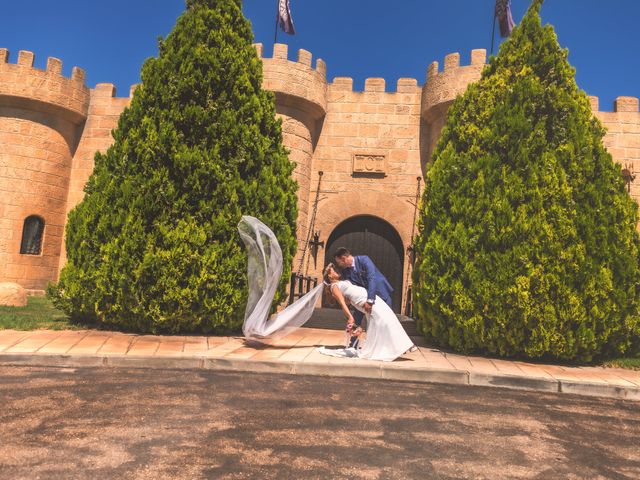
{"x": 365, "y": 274}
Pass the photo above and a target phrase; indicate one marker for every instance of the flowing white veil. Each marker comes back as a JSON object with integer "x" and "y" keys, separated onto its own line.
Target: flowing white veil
{"x": 264, "y": 272}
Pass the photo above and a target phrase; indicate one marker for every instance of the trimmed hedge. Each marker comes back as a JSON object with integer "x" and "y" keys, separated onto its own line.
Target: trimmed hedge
{"x": 528, "y": 243}
{"x": 153, "y": 246}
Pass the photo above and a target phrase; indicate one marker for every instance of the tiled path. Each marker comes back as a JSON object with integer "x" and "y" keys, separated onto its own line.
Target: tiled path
{"x": 296, "y": 354}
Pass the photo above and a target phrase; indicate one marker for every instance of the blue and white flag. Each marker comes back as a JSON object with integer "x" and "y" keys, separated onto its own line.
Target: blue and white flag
{"x": 284, "y": 17}
{"x": 503, "y": 12}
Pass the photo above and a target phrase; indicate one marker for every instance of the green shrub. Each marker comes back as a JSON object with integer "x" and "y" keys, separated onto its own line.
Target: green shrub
{"x": 528, "y": 243}
{"x": 153, "y": 246}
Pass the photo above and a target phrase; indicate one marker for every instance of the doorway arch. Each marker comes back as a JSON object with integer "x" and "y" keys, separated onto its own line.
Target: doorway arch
{"x": 376, "y": 238}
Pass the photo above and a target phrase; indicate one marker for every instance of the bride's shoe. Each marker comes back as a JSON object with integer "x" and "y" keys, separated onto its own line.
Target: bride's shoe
{"x": 412, "y": 349}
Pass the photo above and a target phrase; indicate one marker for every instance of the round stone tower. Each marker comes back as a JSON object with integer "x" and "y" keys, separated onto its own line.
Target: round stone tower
{"x": 439, "y": 92}
{"x": 41, "y": 118}
{"x": 301, "y": 102}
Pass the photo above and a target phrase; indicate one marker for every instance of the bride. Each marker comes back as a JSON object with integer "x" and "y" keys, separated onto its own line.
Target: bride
{"x": 386, "y": 339}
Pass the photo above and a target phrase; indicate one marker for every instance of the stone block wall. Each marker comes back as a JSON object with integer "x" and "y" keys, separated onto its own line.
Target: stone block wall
{"x": 102, "y": 117}
{"x": 441, "y": 88}
{"x": 301, "y": 103}
{"x": 42, "y": 115}
{"x": 371, "y": 145}
{"x": 369, "y": 153}
{"x": 439, "y": 92}
{"x": 623, "y": 136}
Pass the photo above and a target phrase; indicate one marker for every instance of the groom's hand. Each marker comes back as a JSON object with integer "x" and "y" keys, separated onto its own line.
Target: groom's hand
{"x": 367, "y": 307}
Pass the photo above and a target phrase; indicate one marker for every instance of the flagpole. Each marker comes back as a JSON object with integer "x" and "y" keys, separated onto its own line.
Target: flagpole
{"x": 493, "y": 32}
{"x": 275, "y": 34}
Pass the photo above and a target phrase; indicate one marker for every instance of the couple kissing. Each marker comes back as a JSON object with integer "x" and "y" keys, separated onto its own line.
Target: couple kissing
{"x": 363, "y": 292}
{"x": 354, "y": 281}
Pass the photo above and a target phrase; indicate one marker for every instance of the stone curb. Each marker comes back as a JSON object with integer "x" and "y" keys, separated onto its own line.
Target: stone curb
{"x": 600, "y": 390}
{"x": 514, "y": 382}
{"x": 383, "y": 371}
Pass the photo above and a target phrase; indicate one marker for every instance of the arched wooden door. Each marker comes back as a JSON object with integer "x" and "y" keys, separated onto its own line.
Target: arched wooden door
{"x": 372, "y": 236}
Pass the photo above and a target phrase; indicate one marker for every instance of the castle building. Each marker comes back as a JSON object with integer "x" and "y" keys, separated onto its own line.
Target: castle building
{"x": 360, "y": 157}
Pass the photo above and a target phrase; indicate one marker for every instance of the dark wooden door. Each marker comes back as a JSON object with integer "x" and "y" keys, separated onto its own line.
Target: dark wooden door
{"x": 372, "y": 236}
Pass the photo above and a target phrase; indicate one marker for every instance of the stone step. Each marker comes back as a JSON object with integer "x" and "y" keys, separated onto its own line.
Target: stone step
{"x": 333, "y": 319}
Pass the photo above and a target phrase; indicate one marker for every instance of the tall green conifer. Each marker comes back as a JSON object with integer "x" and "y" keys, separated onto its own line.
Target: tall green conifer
{"x": 153, "y": 246}
{"x": 528, "y": 243}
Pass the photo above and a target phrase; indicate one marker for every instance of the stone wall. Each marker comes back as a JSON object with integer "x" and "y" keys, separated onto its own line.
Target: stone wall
{"x": 102, "y": 117}
{"x": 369, "y": 153}
{"x": 439, "y": 92}
{"x": 42, "y": 115}
{"x": 623, "y": 136}
{"x": 301, "y": 103}
{"x": 372, "y": 146}
{"x": 623, "y": 123}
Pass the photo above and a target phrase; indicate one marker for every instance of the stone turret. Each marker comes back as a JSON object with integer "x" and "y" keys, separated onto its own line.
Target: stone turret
{"x": 439, "y": 92}
{"x": 301, "y": 102}
{"x": 42, "y": 114}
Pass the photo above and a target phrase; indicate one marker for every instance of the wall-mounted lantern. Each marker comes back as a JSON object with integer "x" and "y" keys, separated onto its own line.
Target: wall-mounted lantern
{"x": 628, "y": 175}
{"x": 315, "y": 245}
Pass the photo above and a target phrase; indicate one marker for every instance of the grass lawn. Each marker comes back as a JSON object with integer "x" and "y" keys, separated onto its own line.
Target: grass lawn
{"x": 39, "y": 313}
{"x": 630, "y": 363}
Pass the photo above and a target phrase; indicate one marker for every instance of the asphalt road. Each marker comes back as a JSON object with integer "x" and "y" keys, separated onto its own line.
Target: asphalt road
{"x": 154, "y": 424}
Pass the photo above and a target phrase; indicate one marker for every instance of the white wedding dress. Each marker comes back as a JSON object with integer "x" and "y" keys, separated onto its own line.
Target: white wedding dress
{"x": 386, "y": 339}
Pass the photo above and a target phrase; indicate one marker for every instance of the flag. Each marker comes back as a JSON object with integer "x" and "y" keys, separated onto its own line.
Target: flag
{"x": 284, "y": 17}
{"x": 503, "y": 12}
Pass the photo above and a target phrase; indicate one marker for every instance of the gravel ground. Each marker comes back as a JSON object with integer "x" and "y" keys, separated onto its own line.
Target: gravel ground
{"x": 153, "y": 424}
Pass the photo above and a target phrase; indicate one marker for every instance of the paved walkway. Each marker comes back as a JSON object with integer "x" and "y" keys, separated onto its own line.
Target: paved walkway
{"x": 296, "y": 354}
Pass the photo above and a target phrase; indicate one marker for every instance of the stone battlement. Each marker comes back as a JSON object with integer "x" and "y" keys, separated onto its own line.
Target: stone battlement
{"x": 452, "y": 63}
{"x": 281, "y": 52}
{"x": 441, "y": 88}
{"x": 375, "y": 85}
{"x": 620, "y": 105}
{"x": 23, "y": 86}
{"x": 296, "y": 83}
{"x": 108, "y": 90}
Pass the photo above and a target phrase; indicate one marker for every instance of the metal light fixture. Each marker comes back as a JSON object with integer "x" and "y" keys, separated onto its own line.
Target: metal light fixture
{"x": 315, "y": 245}
{"x": 628, "y": 175}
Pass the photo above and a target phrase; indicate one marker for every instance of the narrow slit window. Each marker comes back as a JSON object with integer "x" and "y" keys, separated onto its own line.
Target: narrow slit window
{"x": 32, "y": 235}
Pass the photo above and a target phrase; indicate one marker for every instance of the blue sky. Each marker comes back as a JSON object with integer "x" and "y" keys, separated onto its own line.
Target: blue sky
{"x": 356, "y": 38}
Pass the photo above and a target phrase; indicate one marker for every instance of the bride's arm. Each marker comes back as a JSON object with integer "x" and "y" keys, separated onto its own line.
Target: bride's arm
{"x": 337, "y": 294}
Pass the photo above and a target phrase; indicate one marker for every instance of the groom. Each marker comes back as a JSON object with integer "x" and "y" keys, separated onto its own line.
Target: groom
{"x": 360, "y": 270}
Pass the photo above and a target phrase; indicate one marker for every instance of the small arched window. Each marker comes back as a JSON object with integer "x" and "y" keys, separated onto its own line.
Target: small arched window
{"x": 32, "y": 235}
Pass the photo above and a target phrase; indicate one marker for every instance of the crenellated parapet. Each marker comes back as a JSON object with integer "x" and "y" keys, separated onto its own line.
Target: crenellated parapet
{"x": 625, "y": 105}
{"x": 375, "y": 85}
{"x": 442, "y": 87}
{"x": 296, "y": 83}
{"x": 47, "y": 91}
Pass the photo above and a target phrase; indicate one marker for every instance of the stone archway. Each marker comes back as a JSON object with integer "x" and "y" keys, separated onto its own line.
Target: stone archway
{"x": 376, "y": 238}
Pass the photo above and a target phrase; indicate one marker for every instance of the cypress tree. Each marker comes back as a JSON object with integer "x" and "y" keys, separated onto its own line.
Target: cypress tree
{"x": 153, "y": 246}
{"x": 528, "y": 243}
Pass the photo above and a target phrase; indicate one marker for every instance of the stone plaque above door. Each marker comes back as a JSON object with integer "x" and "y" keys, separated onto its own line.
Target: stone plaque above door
{"x": 369, "y": 165}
